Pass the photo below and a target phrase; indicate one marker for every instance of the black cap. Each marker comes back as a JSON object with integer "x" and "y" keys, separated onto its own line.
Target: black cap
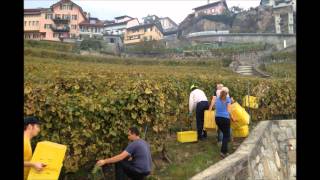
{"x": 31, "y": 120}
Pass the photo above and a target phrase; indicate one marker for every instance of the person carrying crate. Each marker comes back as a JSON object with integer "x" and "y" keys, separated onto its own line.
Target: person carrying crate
{"x": 31, "y": 129}
{"x": 198, "y": 101}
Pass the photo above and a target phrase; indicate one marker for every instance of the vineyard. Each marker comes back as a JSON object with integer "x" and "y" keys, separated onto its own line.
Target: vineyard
{"x": 88, "y": 103}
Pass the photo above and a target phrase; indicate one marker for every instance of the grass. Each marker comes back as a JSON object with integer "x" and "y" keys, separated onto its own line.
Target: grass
{"x": 281, "y": 70}
{"x": 188, "y": 158}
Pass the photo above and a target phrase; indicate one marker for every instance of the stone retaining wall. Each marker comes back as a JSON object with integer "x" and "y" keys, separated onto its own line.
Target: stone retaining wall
{"x": 268, "y": 153}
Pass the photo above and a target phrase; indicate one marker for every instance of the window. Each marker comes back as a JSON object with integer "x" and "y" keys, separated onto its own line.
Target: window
{"x": 47, "y": 26}
{"x": 64, "y": 16}
{"x": 25, "y": 23}
{"x": 73, "y": 26}
{"x": 37, "y": 23}
{"x": 48, "y": 16}
{"x": 65, "y": 7}
{"x": 74, "y": 17}
{"x": 32, "y": 23}
{"x": 58, "y": 16}
{"x": 29, "y": 23}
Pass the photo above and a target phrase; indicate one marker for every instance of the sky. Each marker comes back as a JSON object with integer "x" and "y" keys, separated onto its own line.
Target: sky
{"x": 177, "y": 10}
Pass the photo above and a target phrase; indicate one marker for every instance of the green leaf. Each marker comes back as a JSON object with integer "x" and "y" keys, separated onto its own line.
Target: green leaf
{"x": 148, "y": 91}
{"x": 134, "y": 115}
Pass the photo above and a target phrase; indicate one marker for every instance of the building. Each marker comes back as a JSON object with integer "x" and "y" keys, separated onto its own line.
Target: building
{"x": 284, "y": 18}
{"x": 119, "y": 26}
{"x": 33, "y": 26}
{"x": 143, "y": 32}
{"x": 168, "y": 25}
{"x": 59, "y": 21}
{"x": 279, "y": 3}
{"x": 92, "y": 27}
{"x": 267, "y": 2}
{"x": 214, "y": 8}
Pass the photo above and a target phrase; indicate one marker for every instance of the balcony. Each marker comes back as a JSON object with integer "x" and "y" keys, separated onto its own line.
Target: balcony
{"x": 60, "y": 28}
{"x": 58, "y": 20}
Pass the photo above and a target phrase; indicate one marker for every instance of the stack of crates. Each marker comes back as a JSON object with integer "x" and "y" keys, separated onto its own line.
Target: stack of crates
{"x": 240, "y": 125}
{"x": 51, "y": 154}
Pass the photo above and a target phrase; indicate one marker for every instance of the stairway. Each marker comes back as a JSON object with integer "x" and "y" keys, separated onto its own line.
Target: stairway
{"x": 245, "y": 70}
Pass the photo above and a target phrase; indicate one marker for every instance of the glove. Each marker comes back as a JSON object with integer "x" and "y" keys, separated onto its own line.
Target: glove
{"x": 189, "y": 114}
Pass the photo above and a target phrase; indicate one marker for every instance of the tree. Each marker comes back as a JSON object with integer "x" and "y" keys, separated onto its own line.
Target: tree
{"x": 236, "y": 9}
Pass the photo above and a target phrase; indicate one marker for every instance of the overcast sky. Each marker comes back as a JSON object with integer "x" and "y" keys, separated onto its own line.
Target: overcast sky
{"x": 177, "y": 10}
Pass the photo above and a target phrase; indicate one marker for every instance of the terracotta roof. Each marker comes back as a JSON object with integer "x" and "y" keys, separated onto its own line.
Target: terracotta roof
{"x": 210, "y": 5}
{"x": 87, "y": 22}
{"x": 34, "y": 11}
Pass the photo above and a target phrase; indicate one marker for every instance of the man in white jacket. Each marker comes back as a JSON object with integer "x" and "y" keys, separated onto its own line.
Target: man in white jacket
{"x": 198, "y": 101}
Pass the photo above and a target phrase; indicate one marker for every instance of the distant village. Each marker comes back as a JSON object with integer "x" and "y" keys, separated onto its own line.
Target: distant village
{"x": 66, "y": 21}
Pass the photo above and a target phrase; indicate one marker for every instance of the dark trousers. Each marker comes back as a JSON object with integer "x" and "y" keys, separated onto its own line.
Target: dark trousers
{"x": 224, "y": 126}
{"x": 201, "y": 107}
{"x": 125, "y": 167}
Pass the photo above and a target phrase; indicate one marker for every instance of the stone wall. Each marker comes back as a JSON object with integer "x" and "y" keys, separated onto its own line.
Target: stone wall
{"x": 268, "y": 153}
{"x": 275, "y": 39}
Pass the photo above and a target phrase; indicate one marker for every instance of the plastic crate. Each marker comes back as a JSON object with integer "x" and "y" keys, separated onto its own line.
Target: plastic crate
{"x": 51, "y": 154}
{"x": 243, "y": 131}
{"x": 187, "y": 136}
{"x": 209, "y": 120}
{"x": 250, "y": 101}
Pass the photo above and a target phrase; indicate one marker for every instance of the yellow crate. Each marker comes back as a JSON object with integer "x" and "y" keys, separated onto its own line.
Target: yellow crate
{"x": 243, "y": 131}
{"x": 209, "y": 120}
{"x": 250, "y": 101}
{"x": 187, "y": 136}
{"x": 51, "y": 154}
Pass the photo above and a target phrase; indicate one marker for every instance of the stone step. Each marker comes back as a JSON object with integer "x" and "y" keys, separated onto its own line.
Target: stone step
{"x": 245, "y": 67}
{"x": 243, "y": 71}
{"x": 248, "y": 74}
